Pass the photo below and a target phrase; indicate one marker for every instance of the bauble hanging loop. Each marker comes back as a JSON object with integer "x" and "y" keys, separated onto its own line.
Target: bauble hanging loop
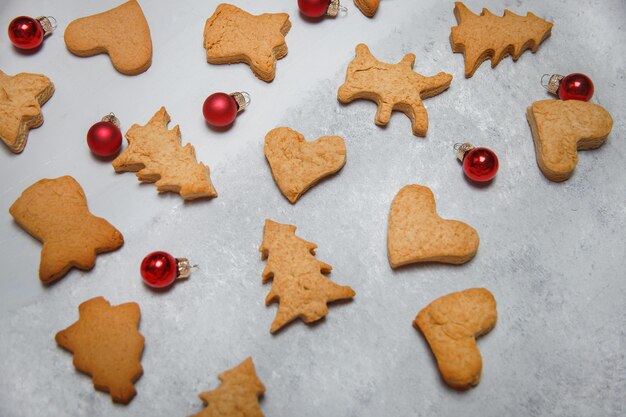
{"x": 28, "y": 33}
{"x": 318, "y": 8}
{"x": 104, "y": 138}
{"x": 574, "y": 86}
{"x": 479, "y": 164}
{"x": 221, "y": 109}
{"x": 160, "y": 269}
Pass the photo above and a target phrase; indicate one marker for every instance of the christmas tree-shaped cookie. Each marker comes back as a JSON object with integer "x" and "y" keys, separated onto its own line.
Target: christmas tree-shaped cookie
{"x": 156, "y": 154}
{"x": 487, "y": 36}
{"x": 299, "y": 284}
{"x": 106, "y": 345}
{"x": 392, "y": 87}
{"x": 238, "y": 396}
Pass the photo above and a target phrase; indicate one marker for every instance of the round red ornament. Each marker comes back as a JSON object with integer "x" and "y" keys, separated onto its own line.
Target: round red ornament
{"x": 28, "y": 33}
{"x": 318, "y": 8}
{"x": 105, "y": 138}
{"x": 160, "y": 269}
{"x": 571, "y": 87}
{"x": 221, "y": 109}
{"x": 479, "y": 164}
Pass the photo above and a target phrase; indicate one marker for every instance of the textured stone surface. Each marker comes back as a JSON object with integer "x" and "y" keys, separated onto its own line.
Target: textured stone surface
{"x": 551, "y": 254}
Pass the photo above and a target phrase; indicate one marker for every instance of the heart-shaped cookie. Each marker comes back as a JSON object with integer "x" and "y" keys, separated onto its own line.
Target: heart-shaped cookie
{"x": 121, "y": 32}
{"x": 367, "y": 7}
{"x": 561, "y": 128}
{"x": 297, "y": 165}
{"x": 417, "y": 234}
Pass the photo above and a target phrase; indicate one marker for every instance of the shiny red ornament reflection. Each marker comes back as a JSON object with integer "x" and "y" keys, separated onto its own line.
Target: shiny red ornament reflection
{"x": 159, "y": 269}
{"x": 576, "y": 87}
{"x": 26, "y": 32}
{"x": 104, "y": 139}
{"x": 220, "y": 109}
{"x": 480, "y": 164}
{"x": 313, "y": 8}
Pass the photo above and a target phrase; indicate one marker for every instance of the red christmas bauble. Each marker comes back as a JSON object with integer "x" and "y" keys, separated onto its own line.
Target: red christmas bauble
{"x": 480, "y": 164}
{"x": 25, "y": 32}
{"x": 104, "y": 139}
{"x": 576, "y": 87}
{"x": 313, "y": 8}
{"x": 220, "y": 109}
{"x": 159, "y": 269}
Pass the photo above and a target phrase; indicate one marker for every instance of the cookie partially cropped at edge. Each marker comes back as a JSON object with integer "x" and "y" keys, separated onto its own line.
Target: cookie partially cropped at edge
{"x": 297, "y": 164}
{"x": 487, "y": 36}
{"x": 416, "y": 233}
{"x": 237, "y": 396}
{"x": 391, "y": 87}
{"x": 122, "y": 33}
{"x": 156, "y": 154}
{"x": 21, "y": 98}
{"x": 233, "y": 35}
{"x": 367, "y": 7}
{"x": 561, "y": 128}
{"x": 451, "y": 325}
{"x": 107, "y": 346}
{"x": 55, "y": 212}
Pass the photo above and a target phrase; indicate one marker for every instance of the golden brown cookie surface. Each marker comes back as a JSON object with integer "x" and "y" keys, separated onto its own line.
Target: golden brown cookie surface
{"x": 367, "y": 7}
{"x": 561, "y": 128}
{"x": 21, "y": 98}
{"x": 392, "y": 87}
{"x": 122, "y": 33}
{"x": 297, "y": 165}
{"x": 416, "y": 233}
{"x": 487, "y": 36}
{"x": 156, "y": 154}
{"x": 237, "y": 396}
{"x": 299, "y": 284}
{"x": 106, "y": 345}
{"x": 233, "y": 35}
{"x": 55, "y": 212}
{"x": 450, "y": 325}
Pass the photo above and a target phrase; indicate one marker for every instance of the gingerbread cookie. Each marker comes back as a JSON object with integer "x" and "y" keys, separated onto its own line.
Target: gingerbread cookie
{"x": 367, "y": 7}
{"x": 238, "y": 396}
{"x": 156, "y": 154}
{"x": 107, "y": 346}
{"x": 392, "y": 87}
{"x": 560, "y": 128}
{"x": 493, "y": 37}
{"x": 451, "y": 325}
{"x": 121, "y": 32}
{"x": 55, "y": 212}
{"x": 297, "y": 165}
{"x": 299, "y": 282}
{"x": 233, "y": 35}
{"x": 21, "y": 98}
{"x": 416, "y": 233}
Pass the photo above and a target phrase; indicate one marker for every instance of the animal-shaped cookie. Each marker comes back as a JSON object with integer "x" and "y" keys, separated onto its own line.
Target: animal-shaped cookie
{"x": 299, "y": 284}
{"x": 121, "y": 32}
{"x": 561, "y": 128}
{"x": 416, "y": 233}
{"x": 487, "y": 36}
{"x": 237, "y": 396}
{"x": 107, "y": 345}
{"x": 367, "y": 7}
{"x": 156, "y": 154}
{"x": 21, "y": 98}
{"x": 55, "y": 212}
{"x": 451, "y": 325}
{"x": 392, "y": 87}
{"x": 233, "y": 35}
{"x": 297, "y": 165}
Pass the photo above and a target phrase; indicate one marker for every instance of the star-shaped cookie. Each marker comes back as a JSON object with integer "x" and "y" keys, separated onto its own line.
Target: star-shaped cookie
{"x": 233, "y": 35}
{"x": 392, "y": 87}
{"x": 21, "y": 96}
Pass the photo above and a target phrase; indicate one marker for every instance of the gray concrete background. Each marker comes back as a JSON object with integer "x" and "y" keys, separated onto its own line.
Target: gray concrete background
{"x": 552, "y": 254}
